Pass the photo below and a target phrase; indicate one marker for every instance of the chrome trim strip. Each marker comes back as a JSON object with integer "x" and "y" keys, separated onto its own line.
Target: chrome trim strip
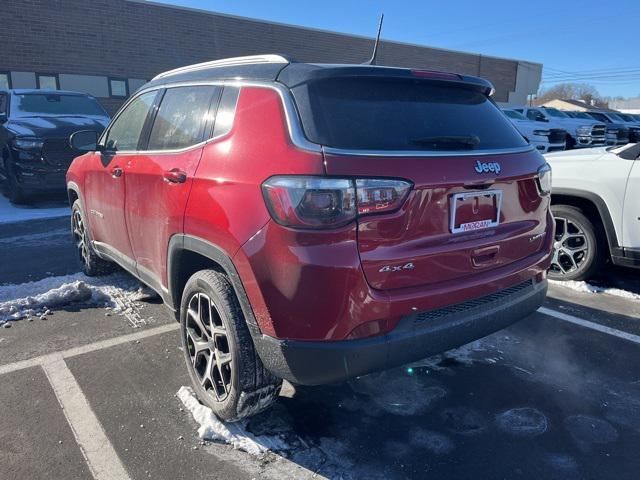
{"x": 426, "y": 153}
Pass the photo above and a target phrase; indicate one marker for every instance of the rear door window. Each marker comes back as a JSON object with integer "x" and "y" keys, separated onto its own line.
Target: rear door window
{"x": 182, "y": 117}
{"x": 398, "y": 114}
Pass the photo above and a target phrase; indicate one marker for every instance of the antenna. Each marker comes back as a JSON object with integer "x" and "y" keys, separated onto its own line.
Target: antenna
{"x": 372, "y": 60}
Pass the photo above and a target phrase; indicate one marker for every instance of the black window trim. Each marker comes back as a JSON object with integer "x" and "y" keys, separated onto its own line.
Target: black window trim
{"x": 44, "y": 74}
{"x": 118, "y": 79}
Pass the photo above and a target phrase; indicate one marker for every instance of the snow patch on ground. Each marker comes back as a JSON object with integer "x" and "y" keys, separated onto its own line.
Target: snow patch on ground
{"x": 57, "y": 235}
{"x": 235, "y": 434}
{"x": 584, "y": 287}
{"x": 19, "y": 213}
{"x": 119, "y": 292}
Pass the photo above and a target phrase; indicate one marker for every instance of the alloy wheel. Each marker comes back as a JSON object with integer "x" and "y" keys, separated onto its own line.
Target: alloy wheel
{"x": 208, "y": 347}
{"x": 570, "y": 247}
{"x": 80, "y": 237}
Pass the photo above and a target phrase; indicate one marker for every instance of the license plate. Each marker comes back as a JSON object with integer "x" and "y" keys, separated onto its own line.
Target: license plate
{"x": 475, "y": 210}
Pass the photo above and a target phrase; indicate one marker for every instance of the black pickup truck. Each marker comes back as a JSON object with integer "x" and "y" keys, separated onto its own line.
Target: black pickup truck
{"x": 34, "y": 130}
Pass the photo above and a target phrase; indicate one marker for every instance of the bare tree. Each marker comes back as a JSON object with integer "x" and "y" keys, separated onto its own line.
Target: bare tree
{"x": 572, "y": 91}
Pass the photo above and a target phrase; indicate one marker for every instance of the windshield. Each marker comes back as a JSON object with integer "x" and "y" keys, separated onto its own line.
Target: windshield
{"x": 617, "y": 117}
{"x": 584, "y": 115}
{"x": 400, "y": 114}
{"x": 38, "y": 104}
{"x": 556, "y": 113}
{"x": 514, "y": 114}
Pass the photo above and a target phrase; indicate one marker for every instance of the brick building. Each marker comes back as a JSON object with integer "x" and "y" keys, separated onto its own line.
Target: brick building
{"x": 109, "y": 48}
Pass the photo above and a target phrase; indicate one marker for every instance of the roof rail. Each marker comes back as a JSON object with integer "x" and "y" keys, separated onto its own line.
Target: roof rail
{"x": 225, "y": 62}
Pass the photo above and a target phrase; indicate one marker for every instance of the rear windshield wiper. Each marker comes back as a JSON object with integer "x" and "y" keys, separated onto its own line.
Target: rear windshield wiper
{"x": 447, "y": 142}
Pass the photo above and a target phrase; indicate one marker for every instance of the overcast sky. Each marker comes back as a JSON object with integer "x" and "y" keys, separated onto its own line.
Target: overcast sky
{"x": 596, "y": 42}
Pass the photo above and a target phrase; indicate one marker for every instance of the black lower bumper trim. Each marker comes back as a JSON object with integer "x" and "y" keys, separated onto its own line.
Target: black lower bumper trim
{"x": 417, "y": 336}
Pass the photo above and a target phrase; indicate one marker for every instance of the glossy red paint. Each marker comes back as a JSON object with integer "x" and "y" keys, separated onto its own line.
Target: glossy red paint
{"x": 322, "y": 284}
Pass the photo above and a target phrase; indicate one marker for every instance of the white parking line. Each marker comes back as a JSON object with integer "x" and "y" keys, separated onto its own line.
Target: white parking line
{"x": 101, "y": 457}
{"x": 592, "y": 325}
{"x": 92, "y": 347}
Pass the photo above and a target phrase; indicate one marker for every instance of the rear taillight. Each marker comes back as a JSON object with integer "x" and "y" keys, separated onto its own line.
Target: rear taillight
{"x": 544, "y": 180}
{"x": 324, "y": 202}
{"x": 380, "y": 195}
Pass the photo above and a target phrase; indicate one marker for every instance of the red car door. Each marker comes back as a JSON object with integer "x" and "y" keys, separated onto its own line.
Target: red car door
{"x": 158, "y": 182}
{"x": 105, "y": 188}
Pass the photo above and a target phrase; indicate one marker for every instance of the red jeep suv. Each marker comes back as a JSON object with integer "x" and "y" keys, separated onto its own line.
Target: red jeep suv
{"x": 315, "y": 222}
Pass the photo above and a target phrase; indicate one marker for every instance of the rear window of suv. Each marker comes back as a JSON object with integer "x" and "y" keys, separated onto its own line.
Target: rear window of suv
{"x": 399, "y": 114}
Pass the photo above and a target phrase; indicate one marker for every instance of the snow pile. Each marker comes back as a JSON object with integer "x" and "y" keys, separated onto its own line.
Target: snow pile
{"x": 19, "y": 213}
{"x": 117, "y": 291}
{"x": 235, "y": 434}
{"x": 584, "y": 287}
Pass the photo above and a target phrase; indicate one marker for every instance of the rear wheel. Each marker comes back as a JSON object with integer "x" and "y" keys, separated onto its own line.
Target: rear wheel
{"x": 226, "y": 372}
{"x": 578, "y": 250}
{"x": 92, "y": 265}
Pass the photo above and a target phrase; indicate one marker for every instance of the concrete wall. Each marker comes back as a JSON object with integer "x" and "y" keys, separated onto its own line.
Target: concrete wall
{"x": 136, "y": 40}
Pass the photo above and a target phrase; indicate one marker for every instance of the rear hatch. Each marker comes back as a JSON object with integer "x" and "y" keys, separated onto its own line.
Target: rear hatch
{"x": 475, "y": 204}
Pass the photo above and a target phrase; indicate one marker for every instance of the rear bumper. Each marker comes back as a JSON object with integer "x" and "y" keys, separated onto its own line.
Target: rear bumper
{"x": 416, "y": 336}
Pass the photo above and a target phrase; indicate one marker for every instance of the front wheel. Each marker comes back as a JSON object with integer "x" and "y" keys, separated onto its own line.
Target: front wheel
{"x": 225, "y": 370}
{"x": 92, "y": 265}
{"x": 578, "y": 250}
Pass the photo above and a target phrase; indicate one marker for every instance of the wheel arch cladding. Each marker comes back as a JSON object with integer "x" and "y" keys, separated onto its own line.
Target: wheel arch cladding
{"x": 592, "y": 205}
{"x": 187, "y": 255}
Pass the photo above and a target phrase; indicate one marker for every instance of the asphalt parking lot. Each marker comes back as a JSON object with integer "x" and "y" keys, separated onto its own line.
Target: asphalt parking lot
{"x": 86, "y": 395}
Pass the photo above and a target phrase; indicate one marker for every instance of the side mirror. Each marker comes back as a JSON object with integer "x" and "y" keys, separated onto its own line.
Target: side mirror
{"x": 84, "y": 140}
{"x": 3, "y": 117}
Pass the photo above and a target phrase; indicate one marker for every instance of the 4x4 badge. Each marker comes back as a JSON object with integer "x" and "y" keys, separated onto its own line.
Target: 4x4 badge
{"x": 396, "y": 268}
{"x": 482, "y": 167}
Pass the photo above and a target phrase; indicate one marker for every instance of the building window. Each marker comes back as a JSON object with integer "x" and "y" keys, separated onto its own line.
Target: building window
{"x": 5, "y": 81}
{"x": 118, "y": 88}
{"x": 47, "y": 81}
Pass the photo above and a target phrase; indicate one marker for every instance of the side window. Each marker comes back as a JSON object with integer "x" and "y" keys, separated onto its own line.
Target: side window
{"x": 226, "y": 111}
{"x": 125, "y": 131}
{"x": 534, "y": 115}
{"x": 182, "y": 116}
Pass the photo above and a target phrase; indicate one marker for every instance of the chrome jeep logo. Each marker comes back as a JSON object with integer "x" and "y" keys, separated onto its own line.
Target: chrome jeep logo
{"x": 482, "y": 167}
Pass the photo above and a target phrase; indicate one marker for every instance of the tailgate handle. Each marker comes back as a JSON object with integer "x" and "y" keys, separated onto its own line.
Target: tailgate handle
{"x": 485, "y": 256}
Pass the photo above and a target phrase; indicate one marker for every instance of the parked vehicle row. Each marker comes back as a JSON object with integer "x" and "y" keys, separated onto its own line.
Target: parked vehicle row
{"x": 34, "y": 137}
{"x": 544, "y": 139}
{"x": 580, "y": 133}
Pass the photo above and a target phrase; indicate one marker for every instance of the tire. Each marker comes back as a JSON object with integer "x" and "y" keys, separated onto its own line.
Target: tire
{"x": 226, "y": 372}
{"x": 579, "y": 246}
{"x": 15, "y": 193}
{"x": 92, "y": 265}
{"x": 570, "y": 143}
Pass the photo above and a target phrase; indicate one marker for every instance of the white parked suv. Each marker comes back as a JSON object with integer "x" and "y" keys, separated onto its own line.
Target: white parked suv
{"x": 544, "y": 138}
{"x": 595, "y": 201}
{"x": 580, "y": 132}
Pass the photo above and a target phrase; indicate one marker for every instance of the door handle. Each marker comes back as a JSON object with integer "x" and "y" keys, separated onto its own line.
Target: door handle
{"x": 175, "y": 175}
{"x": 116, "y": 172}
